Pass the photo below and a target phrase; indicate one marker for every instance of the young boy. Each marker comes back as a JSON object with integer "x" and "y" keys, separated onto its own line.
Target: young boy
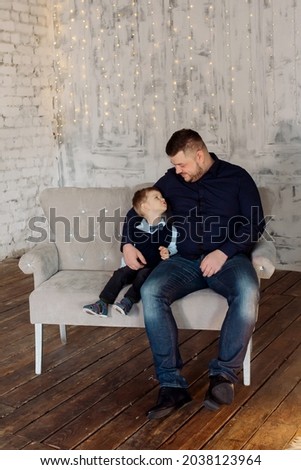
{"x": 156, "y": 241}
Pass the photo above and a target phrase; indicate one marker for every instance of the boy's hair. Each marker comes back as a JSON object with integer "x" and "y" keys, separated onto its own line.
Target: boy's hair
{"x": 184, "y": 139}
{"x": 140, "y": 196}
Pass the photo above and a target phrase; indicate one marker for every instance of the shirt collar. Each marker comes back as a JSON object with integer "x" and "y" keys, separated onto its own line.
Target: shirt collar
{"x": 146, "y": 227}
{"x": 215, "y": 166}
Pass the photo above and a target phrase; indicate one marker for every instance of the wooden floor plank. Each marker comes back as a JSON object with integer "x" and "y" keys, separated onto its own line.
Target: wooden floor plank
{"x": 295, "y": 289}
{"x": 281, "y": 427}
{"x": 97, "y": 381}
{"x": 13, "y": 442}
{"x": 274, "y": 279}
{"x": 72, "y": 363}
{"x": 285, "y": 283}
{"x": 108, "y": 408}
{"x": 201, "y": 429}
{"x": 67, "y": 359}
{"x": 94, "y": 392}
{"x": 144, "y": 435}
{"x": 258, "y": 409}
{"x": 276, "y": 325}
{"x": 135, "y": 415}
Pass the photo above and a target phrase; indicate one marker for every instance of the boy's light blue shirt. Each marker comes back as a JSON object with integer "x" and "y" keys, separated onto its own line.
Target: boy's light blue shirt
{"x": 147, "y": 228}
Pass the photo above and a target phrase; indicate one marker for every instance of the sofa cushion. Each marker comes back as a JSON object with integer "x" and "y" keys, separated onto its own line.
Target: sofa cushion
{"x": 61, "y": 298}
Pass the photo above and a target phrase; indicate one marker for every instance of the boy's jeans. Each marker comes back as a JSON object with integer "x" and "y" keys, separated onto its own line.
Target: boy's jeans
{"x": 176, "y": 277}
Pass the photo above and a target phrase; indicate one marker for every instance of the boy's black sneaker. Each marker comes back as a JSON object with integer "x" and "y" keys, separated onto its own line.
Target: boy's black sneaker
{"x": 124, "y": 306}
{"x": 99, "y": 309}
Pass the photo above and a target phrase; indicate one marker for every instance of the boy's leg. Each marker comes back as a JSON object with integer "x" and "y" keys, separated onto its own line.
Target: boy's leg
{"x": 133, "y": 295}
{"x": 134, "y": 291}
{"x": 120, "y": 278}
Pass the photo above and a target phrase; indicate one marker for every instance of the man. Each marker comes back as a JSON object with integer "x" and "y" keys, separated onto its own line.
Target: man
{"x": 217, "y": 211}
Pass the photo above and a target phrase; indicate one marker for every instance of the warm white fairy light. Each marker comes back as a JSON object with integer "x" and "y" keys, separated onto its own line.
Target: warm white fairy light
{"x": 152, "y": 55}
{"x": 111, "y": 80}
{"x": 126, "y": 107}
{"x": 275, "y": 111}
{"x": 211, "y": 86}
{"x": 135, "y": 54}
{"x": 296, "y": 59}
{"x": 252, "y": 83}
{"x": 58, "y": 107}
{"x": 189, "y": 46}
{"x": 228, "y": 56}
{"x": 66, "y": 61}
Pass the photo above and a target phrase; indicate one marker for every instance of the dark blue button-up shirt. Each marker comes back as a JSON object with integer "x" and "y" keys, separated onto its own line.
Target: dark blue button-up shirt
{"x": 222, "y": 210}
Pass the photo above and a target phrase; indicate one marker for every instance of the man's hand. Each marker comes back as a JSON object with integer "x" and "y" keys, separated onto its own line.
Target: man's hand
{"x": 213, "y": 262}
{"x": 164, "y": 253}
{"x": 133, "y": 258}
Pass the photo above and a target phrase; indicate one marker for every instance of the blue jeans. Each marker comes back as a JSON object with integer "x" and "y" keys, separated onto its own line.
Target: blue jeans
{"x": 176, "y": 277}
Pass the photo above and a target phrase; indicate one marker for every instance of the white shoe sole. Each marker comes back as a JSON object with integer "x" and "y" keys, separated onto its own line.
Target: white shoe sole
{"x": 91, "y": 312}
{"x": 119, "y": 309}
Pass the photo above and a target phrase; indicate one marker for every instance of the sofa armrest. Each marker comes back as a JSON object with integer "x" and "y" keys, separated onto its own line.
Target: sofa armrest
{"x": 42, "y": 261}
{"x": 264, "y": 258}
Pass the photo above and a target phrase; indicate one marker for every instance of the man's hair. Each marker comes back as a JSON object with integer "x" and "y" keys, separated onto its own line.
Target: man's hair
{"x": 140, "y": 196}
{"x": 183, "y": 140}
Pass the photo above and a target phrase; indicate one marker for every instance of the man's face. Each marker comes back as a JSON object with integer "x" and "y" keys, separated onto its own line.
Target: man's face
{"x": 188, "y": 165}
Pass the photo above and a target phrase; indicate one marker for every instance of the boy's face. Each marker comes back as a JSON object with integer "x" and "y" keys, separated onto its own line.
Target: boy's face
{"x": 154, "y": 203}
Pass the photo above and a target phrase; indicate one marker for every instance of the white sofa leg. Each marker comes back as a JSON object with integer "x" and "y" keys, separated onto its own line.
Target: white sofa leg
{"x": 247, "y": 365}
{"x": 63, "y": 334}
{"x": 38, "y": 347}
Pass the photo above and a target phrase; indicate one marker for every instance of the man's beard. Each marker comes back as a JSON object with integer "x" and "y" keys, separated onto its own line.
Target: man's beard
{"x": 196, "y": 177}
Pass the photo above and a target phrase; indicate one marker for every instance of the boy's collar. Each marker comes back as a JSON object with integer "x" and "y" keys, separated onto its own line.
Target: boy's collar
{"x": 144, "y": 225}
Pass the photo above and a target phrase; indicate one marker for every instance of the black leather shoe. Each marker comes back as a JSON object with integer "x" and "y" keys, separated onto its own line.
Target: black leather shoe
{"x": 220, "y": 392}
{"x": 169, "y": 399}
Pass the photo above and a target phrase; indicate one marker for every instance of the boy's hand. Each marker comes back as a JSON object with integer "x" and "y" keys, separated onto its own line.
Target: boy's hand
{"x": 133, "y": 258}
{"x": 164, "y": 253}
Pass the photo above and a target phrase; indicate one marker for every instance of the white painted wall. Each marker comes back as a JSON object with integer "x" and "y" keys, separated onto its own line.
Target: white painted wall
{"x": 129, "y": 73}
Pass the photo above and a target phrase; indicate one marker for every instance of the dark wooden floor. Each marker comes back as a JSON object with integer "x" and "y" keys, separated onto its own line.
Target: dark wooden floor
{"x": 95, "y": 390}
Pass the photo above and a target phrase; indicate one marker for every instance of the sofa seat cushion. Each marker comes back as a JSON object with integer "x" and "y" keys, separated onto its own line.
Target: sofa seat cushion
{"x": 60, "y": 299}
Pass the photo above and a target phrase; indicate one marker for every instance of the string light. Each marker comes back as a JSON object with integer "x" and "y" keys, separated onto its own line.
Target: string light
{"x": 272, "y": 68}
{"x": 296, "y": 34}
{"x": 230, "y": 67}
{"x": 251, "y": 92}
{"x": 211, "y": 83}
{"x": 103, "y": 73}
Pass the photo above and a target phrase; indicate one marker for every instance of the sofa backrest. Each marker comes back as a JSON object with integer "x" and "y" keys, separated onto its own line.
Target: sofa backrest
{"x": 86, "y": 224}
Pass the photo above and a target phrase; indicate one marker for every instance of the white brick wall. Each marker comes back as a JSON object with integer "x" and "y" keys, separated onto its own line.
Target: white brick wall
{"x": 28, "y": 150}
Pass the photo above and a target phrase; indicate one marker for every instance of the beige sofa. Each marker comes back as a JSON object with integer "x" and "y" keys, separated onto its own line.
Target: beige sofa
{"x": 81, "y": 250}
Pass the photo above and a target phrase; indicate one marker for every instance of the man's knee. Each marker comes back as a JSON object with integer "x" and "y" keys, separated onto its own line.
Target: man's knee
{"x": 148, "y": 288}
{"x": 152, "y": 289}
{"x": 250, "y": 288}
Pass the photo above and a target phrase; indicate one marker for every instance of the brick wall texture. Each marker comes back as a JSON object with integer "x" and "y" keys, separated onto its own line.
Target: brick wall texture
{"x": 28, "y": 149}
